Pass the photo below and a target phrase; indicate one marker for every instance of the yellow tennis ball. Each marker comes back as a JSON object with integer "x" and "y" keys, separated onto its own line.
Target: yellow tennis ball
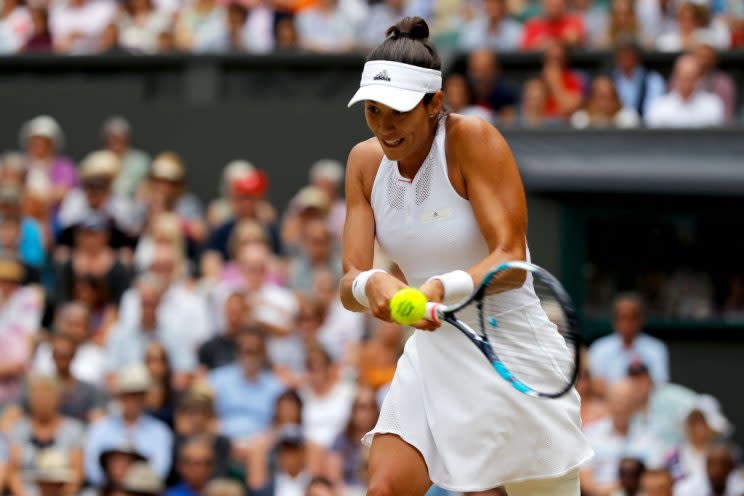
{"x": 408, "y": 306}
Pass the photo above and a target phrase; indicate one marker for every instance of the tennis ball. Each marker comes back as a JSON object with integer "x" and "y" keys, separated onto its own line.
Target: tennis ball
{"x": 408, "y": 306}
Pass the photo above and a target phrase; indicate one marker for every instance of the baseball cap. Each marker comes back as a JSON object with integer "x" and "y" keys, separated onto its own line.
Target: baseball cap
{"x": 312, "y": 197}
{"x": 254, "y": 182}
{"x": 125, "y": 448}
{"x": 397, "y": 85}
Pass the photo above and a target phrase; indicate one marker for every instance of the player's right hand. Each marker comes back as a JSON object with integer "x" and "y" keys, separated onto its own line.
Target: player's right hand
{"x": 380, "y": 289}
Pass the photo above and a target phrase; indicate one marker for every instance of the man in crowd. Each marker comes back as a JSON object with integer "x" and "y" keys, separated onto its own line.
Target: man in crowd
{"x": 636, "y": 85}
{"x": 490, "y": 90}
{"x": 195, "y": 462}
{"x": 657, "y": 482}
{"x": 134, "y": 163}
{"x": 221, "y": 349}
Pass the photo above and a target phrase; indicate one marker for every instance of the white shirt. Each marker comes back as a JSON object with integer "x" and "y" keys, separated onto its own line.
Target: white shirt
{"x": 142, "y": 35}
{"x": 477, "y": 34}
{"x": 286, "y": 485}
{"x": 258, "y": 31}
{"x": 89, "y": 364}
{"x": 75, "y": 209}
{"x": 702, "y": 109}
{"x": 609, "y": 359}
{"x": 324, "y": 31}
{"x": 340, "y": 330}
{"x": 15, "y": 30}
{"x": 323, "y": 418}
{"x": 90, "y": 20}
{"x": 271, "y": 304}
{"x": 699, "y": 486}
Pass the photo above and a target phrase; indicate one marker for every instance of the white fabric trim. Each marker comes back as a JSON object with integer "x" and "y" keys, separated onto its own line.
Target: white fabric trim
{"x": 359, "y": 286}
{"x": 397, "y": 85}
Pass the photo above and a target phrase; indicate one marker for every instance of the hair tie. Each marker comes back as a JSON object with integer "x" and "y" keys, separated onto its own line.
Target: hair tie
{"x": 406, "y": 35}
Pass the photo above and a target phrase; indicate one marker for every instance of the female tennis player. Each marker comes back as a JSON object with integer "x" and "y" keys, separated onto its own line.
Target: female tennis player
{"x": 443, "y": 196}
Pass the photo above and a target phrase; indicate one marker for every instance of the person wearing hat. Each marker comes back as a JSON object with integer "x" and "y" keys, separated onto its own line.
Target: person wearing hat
{"x": 636, "y": 85}
{"x": 20, "y": 318}
{"x": 52, "y": 473}
{"x": 117, "y": 460}
{"x": 141, "y": 480}
{"x": 722, "y": 475}
{"x": 150, "y": 437}
{"x": 41, "y": 138}
{"x": 291, "y": 476}
{"x": 318, "y": 251}
{"x": 310, "y": 203}
{"x": 116, "y": 133}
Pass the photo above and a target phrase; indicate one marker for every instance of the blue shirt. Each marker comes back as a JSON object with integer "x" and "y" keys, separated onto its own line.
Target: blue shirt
{"x": 245, "y": 408}
{"x": 180, "y": 490}
{"x": 629, "y": 89}
{"x": 149, "y": 436}
{"x": 31, "y": 244}
{"x": 609, "y": 359}
{"x": 127, "y": 345}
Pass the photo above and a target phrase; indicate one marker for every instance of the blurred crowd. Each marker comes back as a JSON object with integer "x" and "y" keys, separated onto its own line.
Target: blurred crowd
{"x": 153, "y": 344}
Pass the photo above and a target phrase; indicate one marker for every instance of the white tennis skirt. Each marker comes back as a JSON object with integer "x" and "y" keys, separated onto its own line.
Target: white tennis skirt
{"x": 474, "y": 430}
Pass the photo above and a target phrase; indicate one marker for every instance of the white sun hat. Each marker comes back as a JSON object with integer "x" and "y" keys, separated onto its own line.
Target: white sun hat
{"x": 397, "y": 85}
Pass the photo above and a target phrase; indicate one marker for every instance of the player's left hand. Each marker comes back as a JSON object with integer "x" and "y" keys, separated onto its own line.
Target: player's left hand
{"x": 434, "y": 292}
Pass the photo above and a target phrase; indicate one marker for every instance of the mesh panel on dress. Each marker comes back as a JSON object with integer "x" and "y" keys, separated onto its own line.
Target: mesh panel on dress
{"x": 396, "y": 193}
{"x": 423, "y": 186}
{"x": 388, "y": 421}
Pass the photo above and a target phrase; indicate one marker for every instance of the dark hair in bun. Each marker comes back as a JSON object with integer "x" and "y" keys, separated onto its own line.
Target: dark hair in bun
{"x": 408, "y": 42}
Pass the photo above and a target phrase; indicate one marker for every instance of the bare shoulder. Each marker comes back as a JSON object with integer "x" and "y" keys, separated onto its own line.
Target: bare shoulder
{"x": 364, "y": 160}
{"x": 466, "y": 133}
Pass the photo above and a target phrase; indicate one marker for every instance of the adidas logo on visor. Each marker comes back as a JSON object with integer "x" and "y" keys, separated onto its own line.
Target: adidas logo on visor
{"x": 382, "y": 76}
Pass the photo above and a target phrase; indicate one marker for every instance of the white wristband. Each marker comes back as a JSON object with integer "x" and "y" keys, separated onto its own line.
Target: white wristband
{"x": 359, "y": 286}
{"x": 457, "y": 285}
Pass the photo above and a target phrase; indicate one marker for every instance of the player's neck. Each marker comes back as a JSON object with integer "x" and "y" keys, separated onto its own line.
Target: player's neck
{"x": 409, "y": 166}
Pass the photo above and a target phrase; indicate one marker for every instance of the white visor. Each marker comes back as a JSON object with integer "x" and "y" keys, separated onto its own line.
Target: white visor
{"x": 399, "y": 86}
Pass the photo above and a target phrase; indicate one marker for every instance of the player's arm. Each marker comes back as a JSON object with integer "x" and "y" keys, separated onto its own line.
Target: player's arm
{"x": 359, "y": 237}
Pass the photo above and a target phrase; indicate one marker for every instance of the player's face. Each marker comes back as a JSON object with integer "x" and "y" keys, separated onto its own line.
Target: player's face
{"x": 402, "y": 134}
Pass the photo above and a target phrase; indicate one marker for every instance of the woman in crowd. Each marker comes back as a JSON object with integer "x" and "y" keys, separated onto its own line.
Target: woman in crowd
{"x": 603, "y": 108}
{"x": 623, "y": 25}
{"x": 140, "y": 25}
{"x": 160, "y": 399}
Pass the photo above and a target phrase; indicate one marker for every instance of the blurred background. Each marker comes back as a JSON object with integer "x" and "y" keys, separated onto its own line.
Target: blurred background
{"x": 171, "y": 205}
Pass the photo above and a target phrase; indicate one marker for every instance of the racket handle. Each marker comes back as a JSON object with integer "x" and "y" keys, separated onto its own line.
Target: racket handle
{"x": 434, "y": 312}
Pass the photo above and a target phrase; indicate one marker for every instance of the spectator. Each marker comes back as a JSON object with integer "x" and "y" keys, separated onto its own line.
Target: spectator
{"x": 564, "y": 85}
{"x": 318, "y": 252}
{"x": 140, "y": 25}
{"x": 715, "y": 81}
{"x": 532, "y": 112}
{"x": 686, "y": 105}
{"x": 555, "y": 25}
{"x": 720, "y": 478}
{"x": 95, "y": 196}
{"x": 328, "y": 175}
{"x": 195, "y": 418}
{"x": 221, "y": 349}
{"x": 692, "y": 27}
{"x": 623, "y": 26}
{"x": 346, "y": 453}
{"x": 379, "y": 356}
{"x": 142, "y": 480}
{"x": 704, "y": 425}
{"x": 637, "y": 86}
{"x": 325, "y": 27}
{"x": 45, "y": 427}
{"x": 20, "y": 233}
{"x": 493, "y": 30}
{"x": 201, "y": 26}
{"x": 604, "y": 109}
{"x": 116, "y": 130}
{"x": 196, "y": 462}
{"x": 148, "y": 436}
{"x": 489, "y": 88}
{"x": 221, "y": 209}
{"x": 460, "y": 99}
{"x": 115, "y": 462}
{"x": 20, "y": 317}
{"x": 291, "y": 476}
{"x": 245, "y": 391}
{"x": 160, "y": 398}
{"x": 319, "y": 486}
{"x": 78, "y": 26}
{"x": 657, "y": 483}
{"x": 310, "y": 203}
{"x": 326, "y": 399}
{"x": 40, "y": 39}
{"x": 128, "y": 342}
{"x": 42, "y": 139}
{"x": 610, "y": 356}
{"x": 163, "y": 232}
{"x": 250, "y": 27}
{"x": 287, "y": 412}
{"x": 15, "y": 26}
{"x": 594, "y": 17}
{"x": 629, "y": 476}
{"x": 52, "y": 474}
{"x": 285, "y": 33}
{"x": 87, "y": 363}
{"x": 381, "y": 16}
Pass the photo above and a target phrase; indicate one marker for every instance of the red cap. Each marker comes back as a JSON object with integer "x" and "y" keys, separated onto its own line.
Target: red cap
{"x": 254, "y": 183}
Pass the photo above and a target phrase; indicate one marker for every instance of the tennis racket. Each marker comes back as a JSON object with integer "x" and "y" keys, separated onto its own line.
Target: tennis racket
{"x": 530, "y": 339}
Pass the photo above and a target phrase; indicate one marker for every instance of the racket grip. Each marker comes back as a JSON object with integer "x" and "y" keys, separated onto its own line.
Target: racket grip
{"x": 434, "y": 312}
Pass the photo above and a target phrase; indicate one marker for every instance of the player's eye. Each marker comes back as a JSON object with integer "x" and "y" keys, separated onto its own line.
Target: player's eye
{"x": 372, "y": 109}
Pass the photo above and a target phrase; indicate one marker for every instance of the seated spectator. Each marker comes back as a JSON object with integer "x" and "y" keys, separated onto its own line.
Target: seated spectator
{"x": 657, "y": 482}
{"x": 128, "y": 341}
{"x": 287, "y": 412}
{"x": 594, "y": 17}
{"x": 341, "y": 330}
{"x": 381, "y": 16}
{"x": 555, "y": 25}
{"x": 162, "y": 229}
{"x": 610, "y": 356}
{"x": 116, "y": 132}
{"x": 140, "y": 25}
{"x": 603, "y": 108}
{"x": 346, "y": 453}
{"x": 221, "y": 349}
{"x": 52, "y": 474}
{"x": 245, "y": 391}
{"x": 532, "y": 113}
{"x": 201, "y": 26}
{"x": 716, "y": 81}
{"x": 15, "y": 26}
{"x": 195, "y": 418}
{"x": 704, "y": 425}
{"x": 319, "y": 486}
{"x": 693, "y": 27}
{"x": 42, "y": 139}
{"x": 378, "y": 357}
{"x": 20, "y": 233}
{"x": 623, "y": 26}
{"x": 195, "y": 462}
{"x": 95, "y": 196}
{"x": 309, "y": 204}
{"x": 565, "y": 86}
{"x": 20, "y": 317}
{"x": 720, "y": 476}
{"x": 96, "y": 294}
{"x": 142, "y": 480}
{"x": 148, "y": 436}
{"x": 115, "y": 462}
{"x": 44, "y": 427}
{"x": 78, "y": 26}
{"x": 629, "y": 475}
{"x": 291, "y": 475}
{"x": 317, "y": 252}
{"x": 493, "y": 30}
{"x": 325, "y": 27}
{"x": 40, "y": 39}
{"x": 637, "y": 86}
{"x": 251, "y": 27}
{"x": 161, "y": 397}
{"x": 686, "y": 105}
{"x": 490, "y": 90}
{"x": 328, "y": 175}
{"x": 326, "y": 399}
{"x": 286, "y": 38}
{"x": 460, "y": 99}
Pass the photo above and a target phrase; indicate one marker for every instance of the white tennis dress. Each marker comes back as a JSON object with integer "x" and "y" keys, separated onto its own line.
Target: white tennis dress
{"x": 473, "y": 429}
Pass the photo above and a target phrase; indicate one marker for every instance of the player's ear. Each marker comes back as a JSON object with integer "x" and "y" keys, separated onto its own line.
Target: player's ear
{"x": 436, "y": 103}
